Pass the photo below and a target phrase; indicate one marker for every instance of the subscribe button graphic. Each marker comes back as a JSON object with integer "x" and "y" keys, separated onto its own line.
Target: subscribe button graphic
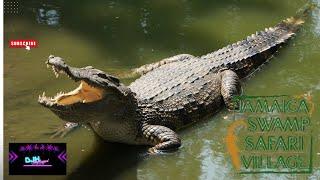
{"x": 23, "y": 43}
{"x": 37, "y": 158}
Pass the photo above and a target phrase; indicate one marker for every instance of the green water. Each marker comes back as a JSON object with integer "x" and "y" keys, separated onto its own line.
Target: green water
{"x": 118, "y": 35}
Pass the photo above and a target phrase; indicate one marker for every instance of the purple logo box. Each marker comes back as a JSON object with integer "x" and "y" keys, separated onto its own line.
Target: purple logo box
{"x": 37, "y": 158}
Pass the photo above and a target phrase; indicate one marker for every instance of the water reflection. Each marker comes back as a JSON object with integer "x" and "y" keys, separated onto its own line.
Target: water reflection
{"x": 48, "y": 15}
{"x": 316, "y": 17}
{"x": 212, "y": 163}
{"x": 143, "y": 20}
{"x": 108, "y": 161}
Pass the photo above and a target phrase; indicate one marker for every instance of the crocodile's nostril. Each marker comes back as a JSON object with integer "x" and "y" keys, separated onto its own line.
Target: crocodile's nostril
{"x": 51, "y": 56}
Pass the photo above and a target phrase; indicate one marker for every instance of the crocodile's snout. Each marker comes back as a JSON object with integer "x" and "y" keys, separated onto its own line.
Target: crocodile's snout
{"x": 57, "y": 62}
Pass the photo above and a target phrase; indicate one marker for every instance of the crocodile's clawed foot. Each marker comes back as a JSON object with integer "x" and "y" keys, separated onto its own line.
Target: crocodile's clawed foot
{"x": 164, "y": 139}
{"x": 62, "y": 131}
{"x": 153, "y": 151}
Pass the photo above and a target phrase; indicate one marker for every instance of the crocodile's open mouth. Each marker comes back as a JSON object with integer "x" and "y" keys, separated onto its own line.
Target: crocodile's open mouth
{"x": 84, "y": 93}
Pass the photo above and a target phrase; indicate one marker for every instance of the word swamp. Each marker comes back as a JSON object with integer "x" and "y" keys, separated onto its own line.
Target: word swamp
{"x": 267, "y": 124}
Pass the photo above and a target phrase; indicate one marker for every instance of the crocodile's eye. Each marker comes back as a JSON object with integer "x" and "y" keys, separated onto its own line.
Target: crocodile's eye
{"x": 109, "y": 77}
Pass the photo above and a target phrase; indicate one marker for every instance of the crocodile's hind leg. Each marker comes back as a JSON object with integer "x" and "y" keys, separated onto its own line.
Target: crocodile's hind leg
{"x": 163, "y": 138}
{"x": 230, "y": 87}
{"x": 63, "y": 130}
{"x": 149, "y": 67}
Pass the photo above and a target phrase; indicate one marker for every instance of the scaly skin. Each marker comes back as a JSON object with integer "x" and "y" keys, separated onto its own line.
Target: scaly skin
{"x": 171, "y": 93}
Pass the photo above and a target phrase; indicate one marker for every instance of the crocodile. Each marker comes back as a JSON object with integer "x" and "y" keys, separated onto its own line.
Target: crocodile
{"x": 168, "y": 95}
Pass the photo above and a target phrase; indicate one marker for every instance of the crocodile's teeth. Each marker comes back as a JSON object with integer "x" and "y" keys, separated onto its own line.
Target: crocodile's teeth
{"x": 48, "y": 66}
{"x": 57, "y": 74}
{"x": 53, "y": 69}
{"x": 44, "y": 94}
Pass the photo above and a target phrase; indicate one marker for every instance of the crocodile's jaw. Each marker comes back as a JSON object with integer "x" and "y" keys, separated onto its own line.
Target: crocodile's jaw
{"x": 73, "y": 105}
{"x": 90, "y": 100}
{"x": 84, "y": 93}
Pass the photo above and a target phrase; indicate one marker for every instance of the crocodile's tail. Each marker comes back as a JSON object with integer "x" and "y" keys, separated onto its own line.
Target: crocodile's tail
{"x": 248, "y": 55}
{"x": 280, "y": 34}
{"x": 293, "y": 23}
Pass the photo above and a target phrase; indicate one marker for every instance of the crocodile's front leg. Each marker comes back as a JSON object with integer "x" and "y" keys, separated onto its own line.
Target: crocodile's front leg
{"x": 230, "y": 87}
{"x": 163, "y": 138}
{"x": 64, "y": 129}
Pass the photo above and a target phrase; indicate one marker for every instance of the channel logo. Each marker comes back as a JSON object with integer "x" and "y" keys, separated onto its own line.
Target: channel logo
{"x": 37, "y": 158}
